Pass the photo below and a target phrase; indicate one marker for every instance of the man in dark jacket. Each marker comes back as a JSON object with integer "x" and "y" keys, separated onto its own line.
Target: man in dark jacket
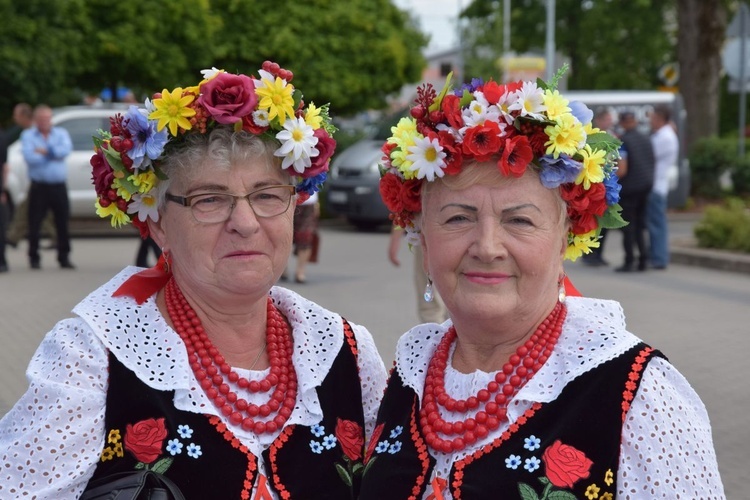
{"x": 636, "y": 173}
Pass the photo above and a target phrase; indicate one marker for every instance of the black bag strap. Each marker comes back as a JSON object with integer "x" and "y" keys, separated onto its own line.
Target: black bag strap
{"x": 136, "y": 485}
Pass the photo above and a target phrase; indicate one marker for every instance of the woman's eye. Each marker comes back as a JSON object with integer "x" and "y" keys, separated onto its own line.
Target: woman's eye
{"x": 209, "y": 200}
{"x": 521, "y": 221}
{"x": 456, "y": 218}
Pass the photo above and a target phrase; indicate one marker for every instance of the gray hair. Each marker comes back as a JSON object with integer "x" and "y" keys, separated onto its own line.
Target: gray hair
{"x": 222, "y": 148}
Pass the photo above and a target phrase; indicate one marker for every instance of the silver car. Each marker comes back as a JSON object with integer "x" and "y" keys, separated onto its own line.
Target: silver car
{"x": 353, "y": 185}
{"x": 81, "y": 122}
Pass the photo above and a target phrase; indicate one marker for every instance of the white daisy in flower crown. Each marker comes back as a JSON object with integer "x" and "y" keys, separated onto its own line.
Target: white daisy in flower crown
{"x": 519, "y": 125}
{"x": 126, "y": 171}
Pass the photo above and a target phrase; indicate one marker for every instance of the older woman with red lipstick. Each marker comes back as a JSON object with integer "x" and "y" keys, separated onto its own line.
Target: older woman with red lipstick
{"x": 524, "y": 393}
{"x": 200, "y": 374}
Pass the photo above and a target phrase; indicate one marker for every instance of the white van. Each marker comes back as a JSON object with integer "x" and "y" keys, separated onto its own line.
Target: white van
{"x": 641, "y": 103}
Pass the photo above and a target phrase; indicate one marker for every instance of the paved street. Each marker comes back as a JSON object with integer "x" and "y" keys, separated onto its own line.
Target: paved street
{"x": 698, "y": 317}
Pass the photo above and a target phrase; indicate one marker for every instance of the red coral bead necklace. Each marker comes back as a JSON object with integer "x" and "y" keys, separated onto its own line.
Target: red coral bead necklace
{"x": 210, "y": 367}
{"x": 526, "y": 361}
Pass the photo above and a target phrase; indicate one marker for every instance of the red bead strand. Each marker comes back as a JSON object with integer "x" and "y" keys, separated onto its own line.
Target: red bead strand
{"x": 215, "y": 375}
{"x": 493, "y": 400}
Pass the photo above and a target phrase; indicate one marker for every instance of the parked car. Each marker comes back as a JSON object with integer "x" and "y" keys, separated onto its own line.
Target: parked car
{"x": 81, "y": 122}
{"x": 353, "y": 184}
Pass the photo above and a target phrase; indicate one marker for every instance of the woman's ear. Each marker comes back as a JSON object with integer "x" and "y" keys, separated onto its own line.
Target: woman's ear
{"x": 157, "y": 233}
{"x": 425, "y": 257}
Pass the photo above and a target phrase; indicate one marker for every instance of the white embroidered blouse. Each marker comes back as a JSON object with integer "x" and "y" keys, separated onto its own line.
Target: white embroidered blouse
{"x": 50, "y": 442}
{"x": 666, "y": 449}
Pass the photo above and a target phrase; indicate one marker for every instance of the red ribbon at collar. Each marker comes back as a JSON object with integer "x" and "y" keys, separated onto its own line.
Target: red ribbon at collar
{"x": 144, "y": 284}
{"x": 570, "y": 290}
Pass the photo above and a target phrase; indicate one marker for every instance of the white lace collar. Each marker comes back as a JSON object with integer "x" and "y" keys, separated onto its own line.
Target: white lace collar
{"x": 593, "y": 332}
{"x": 141, "y": 339}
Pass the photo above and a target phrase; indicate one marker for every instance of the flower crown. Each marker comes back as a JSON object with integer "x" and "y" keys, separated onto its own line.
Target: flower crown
{"x": 126, "y": 171}
{"x": 522, "y": 125}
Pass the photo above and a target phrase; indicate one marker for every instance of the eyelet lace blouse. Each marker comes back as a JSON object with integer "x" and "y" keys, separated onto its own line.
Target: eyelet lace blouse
{"x": 666, "y": 449}
{"x": 51, "y": 440}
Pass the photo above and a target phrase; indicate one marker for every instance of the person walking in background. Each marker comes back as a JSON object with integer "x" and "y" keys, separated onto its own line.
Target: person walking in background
{"x": 636, "y": 174}
{"x": 306, "y": 237}
{"x": 141, "y": 258}
{"x": 429, "y": 311}
{"x": 666, "y": 148}
{"x": 3, "y": 202}
{"x": 23, "y": 118}
{"x": 45, "y": 148}
{"x": 604, "y": 120}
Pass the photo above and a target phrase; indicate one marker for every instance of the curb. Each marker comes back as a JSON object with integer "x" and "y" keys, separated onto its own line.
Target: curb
{"x": 685, "y": 251}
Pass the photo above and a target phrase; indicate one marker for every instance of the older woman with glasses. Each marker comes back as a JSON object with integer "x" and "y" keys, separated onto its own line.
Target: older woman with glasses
{"x": 199, "y": 374}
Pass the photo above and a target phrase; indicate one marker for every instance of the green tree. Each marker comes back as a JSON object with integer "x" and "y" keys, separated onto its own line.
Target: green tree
{"x": 146, "y": 45}
{"x": 611, "y": 44}
{"x": 38, "y": 51}
{"x": 352, "y": 54}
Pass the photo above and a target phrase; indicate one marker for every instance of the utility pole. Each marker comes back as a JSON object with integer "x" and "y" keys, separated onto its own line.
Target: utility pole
{"x": 549, "y": 52}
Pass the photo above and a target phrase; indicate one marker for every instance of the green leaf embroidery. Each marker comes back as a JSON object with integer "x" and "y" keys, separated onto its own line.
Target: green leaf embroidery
{"x": 357, "y": 468}
{"x": 161, "y": 466}
{"x": 344, "y": 475}
{"x": 561, "y": 495}
{"x": 369, "y": 464}
{"x": 140, "y": 465}
{"x": 527, "y": 492}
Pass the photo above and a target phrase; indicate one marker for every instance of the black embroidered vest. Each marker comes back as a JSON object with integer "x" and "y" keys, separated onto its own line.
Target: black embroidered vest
{"x": 206, "y": 461}
{"x": 567, "y": 447}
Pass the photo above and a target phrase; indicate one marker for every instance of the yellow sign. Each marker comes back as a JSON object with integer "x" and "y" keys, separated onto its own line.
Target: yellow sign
{"x": 522, "y": 68}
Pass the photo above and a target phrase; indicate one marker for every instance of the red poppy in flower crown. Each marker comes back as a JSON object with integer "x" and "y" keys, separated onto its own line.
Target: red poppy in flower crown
{"x": 518, "y": 125}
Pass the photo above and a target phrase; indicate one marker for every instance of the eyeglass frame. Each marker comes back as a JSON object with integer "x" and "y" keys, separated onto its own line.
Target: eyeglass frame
{"x": 186, "y": 201}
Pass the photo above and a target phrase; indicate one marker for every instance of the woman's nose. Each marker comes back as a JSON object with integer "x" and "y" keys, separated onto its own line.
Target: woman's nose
{"x": 243, "y": 218}
{"x": 489, "y": 240}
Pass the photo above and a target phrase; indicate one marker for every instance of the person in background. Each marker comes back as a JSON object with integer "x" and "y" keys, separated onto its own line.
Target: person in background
{"x": 45, "y": 148}
{"x": 666, "y": 147}
{"x": 147, "y": 244}
{"x": 525, "y": 392}
{"x": 604, "y": 120}
{"x": 23, "y": 118}
{"x": 200, "y": 370}
{"x": 636, "y": 172}
{"x": 430, "y": 307}
{"x": 306, "y": 238}
{"x": 3, "y": 201}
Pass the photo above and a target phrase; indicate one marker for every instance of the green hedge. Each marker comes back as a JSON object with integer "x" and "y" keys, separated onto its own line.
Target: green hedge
{"x": 725, "y": 226}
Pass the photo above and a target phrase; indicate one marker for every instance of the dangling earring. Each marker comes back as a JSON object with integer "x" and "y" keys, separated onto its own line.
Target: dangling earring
{"x": 167, "y": 261}
{"x": 561, "y": 291}
{"x": 428, "y": 295}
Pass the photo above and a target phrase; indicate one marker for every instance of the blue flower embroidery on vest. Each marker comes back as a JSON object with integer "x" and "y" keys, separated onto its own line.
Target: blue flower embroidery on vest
{"x": 512, "y": 462}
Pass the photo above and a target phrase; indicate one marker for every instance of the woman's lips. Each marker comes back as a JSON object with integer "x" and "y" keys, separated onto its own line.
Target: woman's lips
{"x": 484, "y": 278}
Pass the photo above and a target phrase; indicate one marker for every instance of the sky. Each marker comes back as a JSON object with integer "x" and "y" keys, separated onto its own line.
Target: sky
{"x": 436, "y": 18}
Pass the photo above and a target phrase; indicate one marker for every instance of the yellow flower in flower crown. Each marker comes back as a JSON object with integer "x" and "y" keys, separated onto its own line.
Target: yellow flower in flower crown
{"x": 566, "y": 136}
{"x": 144, "y": 181}
{"x": 119, "y": 218}
{"x": 404, "y": 135}
{"x": 276, "y": 97}
{"x": 581, "y": 244}
{"x": 312, "y": 116}
{"x": 556, "y": 104}
{"x": 592, "y": 170}
{"x": 121, "y": 190}
{"x": 172, "y": 110}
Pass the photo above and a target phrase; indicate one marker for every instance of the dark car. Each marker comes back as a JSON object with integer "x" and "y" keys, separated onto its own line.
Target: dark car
{"x": 352, "y": 187}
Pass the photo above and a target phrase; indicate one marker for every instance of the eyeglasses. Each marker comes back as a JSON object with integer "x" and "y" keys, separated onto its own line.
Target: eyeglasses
{"x": 211, "y": 208}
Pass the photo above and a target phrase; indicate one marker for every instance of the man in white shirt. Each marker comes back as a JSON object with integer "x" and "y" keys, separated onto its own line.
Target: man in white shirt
{"x": 666, "y": 149}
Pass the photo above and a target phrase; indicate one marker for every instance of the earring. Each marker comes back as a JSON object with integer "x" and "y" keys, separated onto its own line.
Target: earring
{"x": 561, "y": 291}
{"x": 167, "y": 261}
{"x": 428, "y": 295}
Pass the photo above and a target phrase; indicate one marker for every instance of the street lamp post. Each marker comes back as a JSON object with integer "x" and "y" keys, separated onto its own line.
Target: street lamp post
{"x": 550, "y": 42}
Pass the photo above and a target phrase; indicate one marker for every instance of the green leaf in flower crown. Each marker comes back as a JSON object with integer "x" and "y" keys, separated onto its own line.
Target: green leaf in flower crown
{"x": 325, "y": 113}
{"x": 527, "y": 492}
{"x": 344, "y": 475}
{"x": 161, "y": 466}
{"x": 612, "y": 218}
{"x": 603, "y": 141}
{"x": 439, "y": 99}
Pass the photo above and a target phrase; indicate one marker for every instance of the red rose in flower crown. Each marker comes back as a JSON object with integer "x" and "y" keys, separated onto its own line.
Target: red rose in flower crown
{"x": 351, "y": 437}
{"x": 518, "y": 125}
{"x": 565, "y": 465}
{"x": 145, "y": 439}
{"x": 228, "y": 98}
